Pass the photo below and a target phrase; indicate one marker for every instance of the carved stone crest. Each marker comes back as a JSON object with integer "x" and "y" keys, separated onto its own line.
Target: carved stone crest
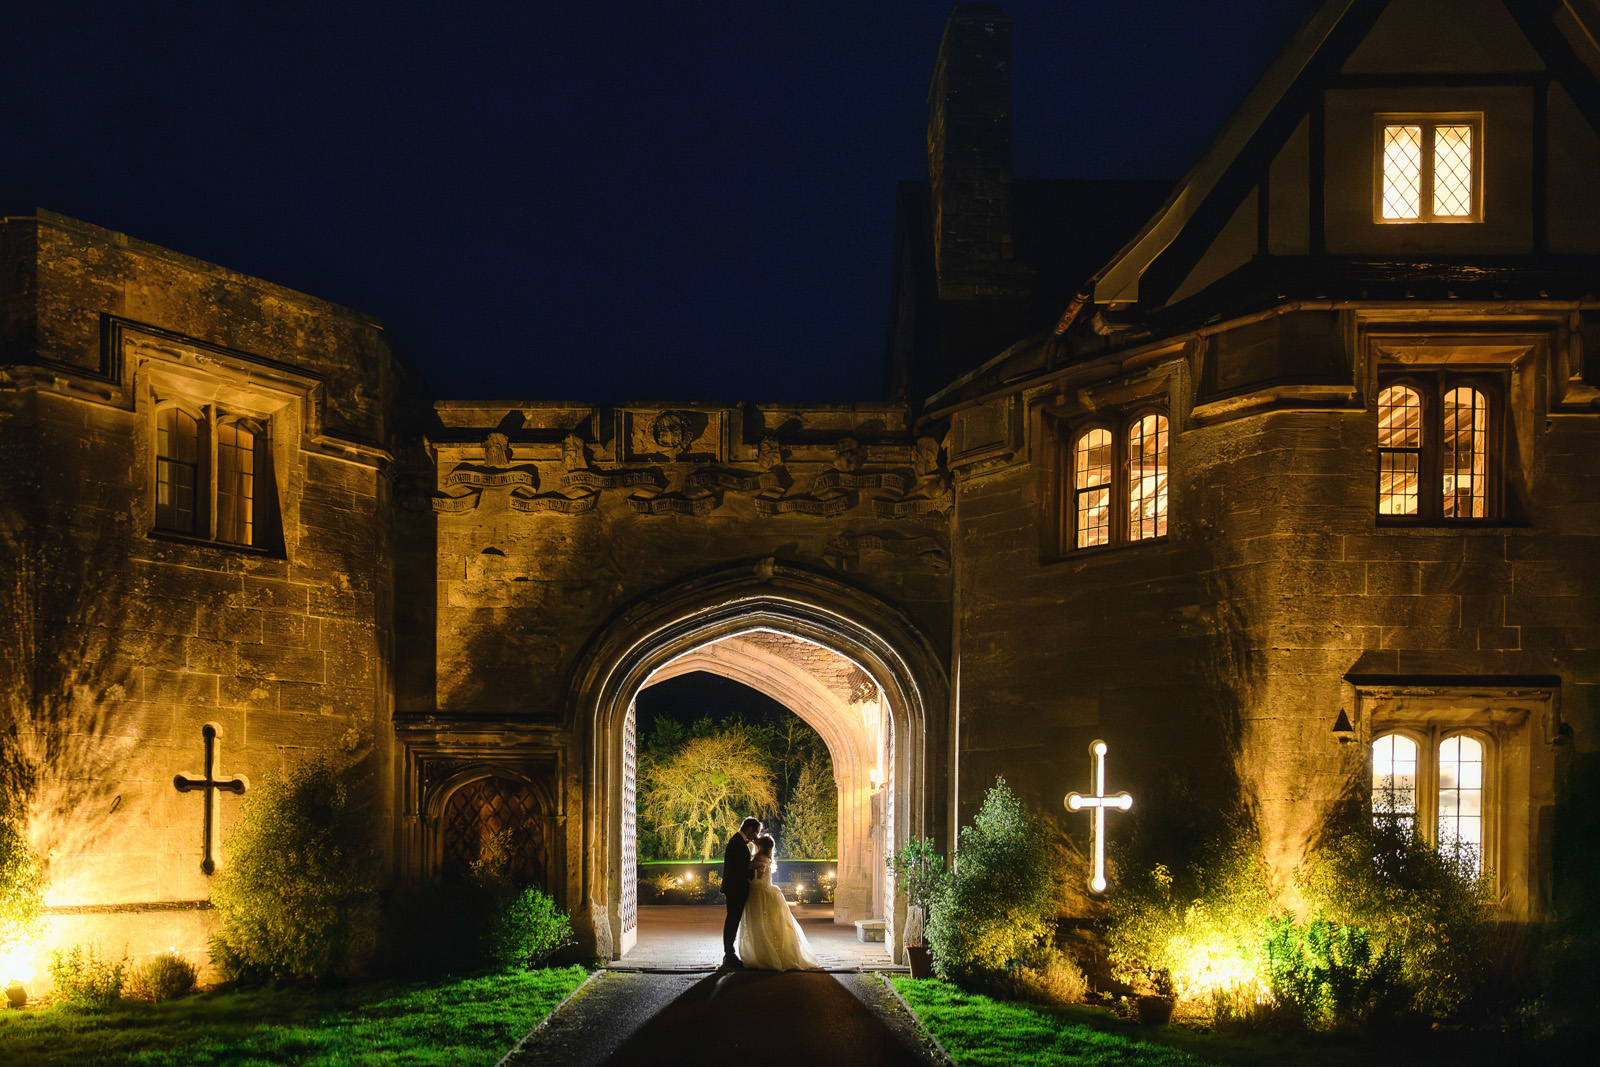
{"x": 672, "y": 432}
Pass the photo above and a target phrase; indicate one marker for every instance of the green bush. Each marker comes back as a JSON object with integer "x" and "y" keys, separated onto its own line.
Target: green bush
{"x": 84, "y": 979}
{"x": 162, "y": 977}
{"x": 1046, "y": 976}
{"x": 21, "y": 882}
{"x": 524, "y": 928}
{"x": 1196, "y": 931}
{"x": 297, "y": 898}
{"x": 1324, "y": 974}
{"x": 485, "y": 921}
{"x": 1434, "y": 911}
{"x": 999, "y": 907}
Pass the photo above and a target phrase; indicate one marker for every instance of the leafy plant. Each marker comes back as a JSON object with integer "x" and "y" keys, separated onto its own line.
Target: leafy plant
{"x": 21, "y": 881}
{"x": 297, "y": 899}
{"x": 919, "y": 872}
{"x": 1326, "y": 974}
{"x": 162, "y": 977}
{"x": 83, "y": 978}
{"x": 1433, "y": 910}
{"x": 524, "y": 929}
{"x": 1191, "y": 933}
{"x": 1000, "y": 905}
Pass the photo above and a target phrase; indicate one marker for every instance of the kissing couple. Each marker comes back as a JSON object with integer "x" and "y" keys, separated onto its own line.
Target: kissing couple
{"x": 758, "y": 915}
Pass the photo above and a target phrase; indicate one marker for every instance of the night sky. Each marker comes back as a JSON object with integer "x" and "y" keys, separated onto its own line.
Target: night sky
{"x": 589, "y": 201}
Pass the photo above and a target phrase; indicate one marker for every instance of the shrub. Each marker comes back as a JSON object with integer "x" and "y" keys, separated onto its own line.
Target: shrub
{"x": 21, "y": 884}
{"x": 85, "y": 979}
{"x": 162, "y": 977}
{"x": 1048, "y": 976}
{"x": 1000, "y": 905}
{"x": 523, "y": 928}
{"x": 1434, "y": 911}
{"x": 1324, "y": 974}
{"x": 1195, "y": 932}
{"x": 297, "y": 899}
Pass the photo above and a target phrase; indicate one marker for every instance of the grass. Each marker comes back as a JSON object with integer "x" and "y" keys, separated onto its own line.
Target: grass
{"x": 450, "y": 1022}
{"x": 981, "y": 1032}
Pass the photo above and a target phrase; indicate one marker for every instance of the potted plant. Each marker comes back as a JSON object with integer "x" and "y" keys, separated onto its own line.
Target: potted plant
{"x": 1156, "y": 998}
{"x": 919, "y": 872}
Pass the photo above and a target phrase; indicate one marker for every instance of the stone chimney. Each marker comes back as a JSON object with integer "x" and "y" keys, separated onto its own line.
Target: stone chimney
{"x": 969, "y": 156}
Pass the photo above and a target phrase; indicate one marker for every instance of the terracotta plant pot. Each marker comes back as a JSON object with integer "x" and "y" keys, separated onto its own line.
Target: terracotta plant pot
{"x": 1155, "y": 1011}
{"x": 921, "y": 961}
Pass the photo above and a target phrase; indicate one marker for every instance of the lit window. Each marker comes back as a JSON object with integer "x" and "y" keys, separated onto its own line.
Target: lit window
{"x": 1092, "y": 487}
{"x": 1429, "y": 170}
{"x": 213, "y": 475}
{"x": 1436, "y": 448}
{"x": 1461, "y": 798}
{"x": 1433, "y": 785}
{"x": 235, "y": 483}
{"x": 1118, "y": 483}
{"x": 177, "y": 470}
{"x": 1147, "y": 478}
{"x": 1394, "y": 780}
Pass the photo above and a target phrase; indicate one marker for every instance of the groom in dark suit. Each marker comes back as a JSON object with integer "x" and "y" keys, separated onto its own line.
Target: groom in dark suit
{"x": 736, "y": 885}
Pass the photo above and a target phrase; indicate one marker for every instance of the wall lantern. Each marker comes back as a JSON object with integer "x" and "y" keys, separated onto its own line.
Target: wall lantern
{"x": 1342, "y": 729}
{"x": 873, "y": 774}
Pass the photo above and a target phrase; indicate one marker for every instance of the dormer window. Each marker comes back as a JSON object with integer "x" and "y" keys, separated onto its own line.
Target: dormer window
{"x": 1430, "y": 168}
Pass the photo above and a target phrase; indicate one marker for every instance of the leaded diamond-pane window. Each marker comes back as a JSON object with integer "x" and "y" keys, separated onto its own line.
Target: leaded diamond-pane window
{"x": 1465, "y": 454}
{"x": 1115, "y": 483}
{"x": 1430, "y": 171}
{"x": 1402, "y": 172}
{"x": 1452, "y": 171}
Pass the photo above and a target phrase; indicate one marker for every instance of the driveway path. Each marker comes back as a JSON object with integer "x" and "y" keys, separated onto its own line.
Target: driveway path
{"x": 688, "y": 937}
{"x": 624, "y": 1019}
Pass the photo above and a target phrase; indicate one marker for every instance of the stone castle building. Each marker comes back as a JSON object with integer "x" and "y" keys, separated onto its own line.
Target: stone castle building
{"x": 1284, "y": 483}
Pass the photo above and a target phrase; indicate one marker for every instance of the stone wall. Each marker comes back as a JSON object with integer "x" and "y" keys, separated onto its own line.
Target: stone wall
{"x": 127, "y": 642}
{"x": 1224, "y": 653}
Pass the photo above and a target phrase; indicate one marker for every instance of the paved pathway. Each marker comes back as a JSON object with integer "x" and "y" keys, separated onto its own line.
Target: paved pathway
{"x": 624, "y": 1019}
{"x": 688, "y": 937}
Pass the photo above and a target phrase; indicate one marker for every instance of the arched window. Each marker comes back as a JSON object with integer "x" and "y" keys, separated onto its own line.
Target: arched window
{"x": 1118, "y": 489}
{"x": 236, "y": 452}
{"x": 1394, "y": 780}
{"x": 1436, "y": 449}
{"x": 1434, "y": 785}
{"x": 1399, "y": 450}
{"x": 214, "y": 477}
{"x": 1147, "y": 478}
{"x": 1464, "y": 451}
{"x": 178, "y": 471}
{"x": 1461, "y": 798}
{"x": 1091, "y": 479}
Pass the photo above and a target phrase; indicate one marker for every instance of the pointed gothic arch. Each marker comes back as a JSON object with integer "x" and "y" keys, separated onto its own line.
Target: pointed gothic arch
{"x": 648, "y": 635}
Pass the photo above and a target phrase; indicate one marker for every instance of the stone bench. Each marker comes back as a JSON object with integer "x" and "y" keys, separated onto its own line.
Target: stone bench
{"x": 869, "y": 929}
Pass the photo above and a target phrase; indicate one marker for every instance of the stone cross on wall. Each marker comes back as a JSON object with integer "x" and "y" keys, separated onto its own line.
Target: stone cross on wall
{"x": 1098, "y": 802}
{"x": 211, "y": 783}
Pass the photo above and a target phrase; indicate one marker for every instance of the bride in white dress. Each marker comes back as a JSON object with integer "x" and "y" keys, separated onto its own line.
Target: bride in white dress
{"x": 769, "y": 937}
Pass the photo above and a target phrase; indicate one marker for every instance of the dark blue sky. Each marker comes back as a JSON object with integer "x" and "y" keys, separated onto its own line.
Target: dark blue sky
{"x": 596, "y": 201}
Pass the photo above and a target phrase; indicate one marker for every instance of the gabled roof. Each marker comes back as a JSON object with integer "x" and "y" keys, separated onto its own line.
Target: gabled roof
{"x": 1559, "y": 39}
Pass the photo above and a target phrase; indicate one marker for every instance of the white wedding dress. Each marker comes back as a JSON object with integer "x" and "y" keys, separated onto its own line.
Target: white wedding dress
{"x": 769, "y": 937}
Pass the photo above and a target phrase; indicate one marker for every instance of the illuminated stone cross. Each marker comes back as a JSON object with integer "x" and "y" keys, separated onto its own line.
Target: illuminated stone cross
{"x": 1099, "y": 802}
{"x": 211, "y": 784}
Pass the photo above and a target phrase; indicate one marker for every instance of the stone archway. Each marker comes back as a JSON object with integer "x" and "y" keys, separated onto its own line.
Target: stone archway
{"x": 700, "y": 622}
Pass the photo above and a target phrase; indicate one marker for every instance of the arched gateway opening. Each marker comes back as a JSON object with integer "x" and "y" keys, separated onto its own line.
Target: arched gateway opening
{"x": 755, "y": 625}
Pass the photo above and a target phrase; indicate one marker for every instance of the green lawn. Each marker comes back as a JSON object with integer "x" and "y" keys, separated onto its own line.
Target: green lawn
{"x": 449, "y": 1022}
{"x": 980, "y": 1032}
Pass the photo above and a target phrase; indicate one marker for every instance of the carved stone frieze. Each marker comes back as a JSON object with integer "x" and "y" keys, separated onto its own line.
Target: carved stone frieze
{"x": 848, "y": 549}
